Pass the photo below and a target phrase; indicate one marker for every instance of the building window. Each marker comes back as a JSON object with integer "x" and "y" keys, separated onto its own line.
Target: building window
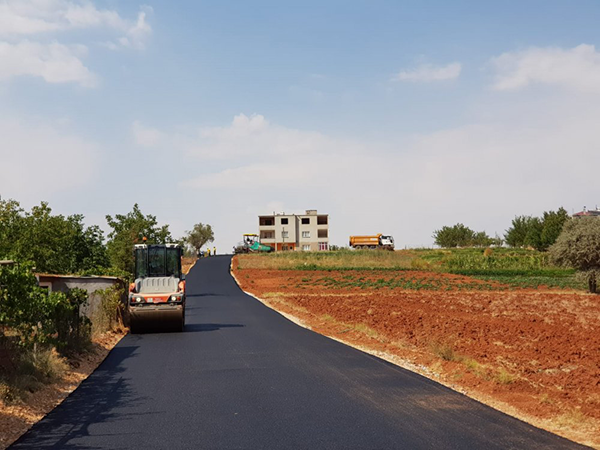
{"x": 284, "y": 221}
{"x": 306, "y": 234}
{"x": 321, "y": 220}
{"x": 322, "y": 233}
{"x": 323, "y": 246}
{"x": 306, "y": 248}
{"x": 266, "y": 221}
{"x": 284, "y": 234}
{"x": 306, "y": 221}
{"x": 267, "y": 235}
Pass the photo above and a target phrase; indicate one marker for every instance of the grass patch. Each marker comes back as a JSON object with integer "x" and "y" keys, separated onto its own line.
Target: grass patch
{"x": 503, "y": 377}
{"x": 32, "y": 370}
{"x": 444, "y": 351}
{"x": 572, "y": 419}
{"x": 365, "y": 329}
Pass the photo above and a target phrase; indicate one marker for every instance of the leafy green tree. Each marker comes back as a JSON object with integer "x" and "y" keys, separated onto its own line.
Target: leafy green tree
{"x": 454, "y": 236}
{"x": 533, "y": 238}
{"x": 54, "y": 243}
{"x": 516, "y": 235}
{"x": 539, "y": 233}
{"x": 553, "y": 223}
{"x": 481, "y": 239}
{"x": 578, "y": 246}
{"x": 200, "y": 235}
{"x": 130, "y": 229}
{"x": 11, "y": 216}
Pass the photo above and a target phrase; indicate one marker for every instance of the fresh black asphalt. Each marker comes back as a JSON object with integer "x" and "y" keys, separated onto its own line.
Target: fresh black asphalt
{"x": 242, "y": 376}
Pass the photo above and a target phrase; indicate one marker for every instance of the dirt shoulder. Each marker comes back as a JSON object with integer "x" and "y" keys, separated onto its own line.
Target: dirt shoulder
{"x": 534, "y": 354}
{"x": 16, "y": 419}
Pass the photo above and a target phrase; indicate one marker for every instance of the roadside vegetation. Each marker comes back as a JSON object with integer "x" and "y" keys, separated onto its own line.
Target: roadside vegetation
{"x": 506, "y": 267}
{"x": 41, "y": 332}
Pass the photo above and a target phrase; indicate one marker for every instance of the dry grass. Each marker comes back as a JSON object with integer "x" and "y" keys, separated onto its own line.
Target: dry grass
{"x": 35, "y": 369}
{"x": 366, "y": 330}
{"x": 328, "y": 260}
{"x": 503, "y": 377}
{"x": 444, "y": 351}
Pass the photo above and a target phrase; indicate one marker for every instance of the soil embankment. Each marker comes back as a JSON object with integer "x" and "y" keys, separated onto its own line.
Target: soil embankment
{"x": 534, "y": 354}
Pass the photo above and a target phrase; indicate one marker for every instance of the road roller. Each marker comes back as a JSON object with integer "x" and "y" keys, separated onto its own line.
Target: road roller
{"x": 157, "y": 296}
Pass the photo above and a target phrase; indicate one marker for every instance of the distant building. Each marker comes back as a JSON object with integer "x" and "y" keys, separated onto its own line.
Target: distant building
{"x": 588, "y": 213}
{"x": 302, "y": 232}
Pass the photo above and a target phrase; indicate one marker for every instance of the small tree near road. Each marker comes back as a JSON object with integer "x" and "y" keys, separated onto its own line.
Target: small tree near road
{"x": 199, "y": 236}
{"x": 578, "y": 246}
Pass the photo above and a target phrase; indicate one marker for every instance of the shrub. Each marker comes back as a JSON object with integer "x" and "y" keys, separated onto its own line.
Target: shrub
{"x": 110, "y": 314}
{"x": 39, "y": 317}
{"x": 578, "y": 246}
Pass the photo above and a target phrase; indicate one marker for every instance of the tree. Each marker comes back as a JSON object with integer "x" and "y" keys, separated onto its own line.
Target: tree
{"x": 481, "y": 239}
{"x": 578, "y": 246}
{"x": 536, "y": 232}
{"x": 454, "y": 236}
{"x": 553, "y": 223}
{"x": 131, "y": 229}
{"x": 54, "y": 243}
{"x": 199, "y": 236}
{"x": 533, "y": 238}
{"x": 516, "y": 235}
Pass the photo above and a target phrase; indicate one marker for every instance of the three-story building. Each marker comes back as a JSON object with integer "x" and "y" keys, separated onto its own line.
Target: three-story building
{"x": 304, "y": 232}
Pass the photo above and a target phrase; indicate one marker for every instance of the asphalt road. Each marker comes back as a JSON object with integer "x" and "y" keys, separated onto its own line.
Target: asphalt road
{"x": 242, "y": 376}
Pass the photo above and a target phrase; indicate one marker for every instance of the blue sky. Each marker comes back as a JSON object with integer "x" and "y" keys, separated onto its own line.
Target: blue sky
{"x": 394, "y": 117}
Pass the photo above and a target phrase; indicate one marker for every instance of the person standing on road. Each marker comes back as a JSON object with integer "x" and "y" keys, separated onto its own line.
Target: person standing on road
{"x": 208, "y": 252}
{"x": 214, "y": 251}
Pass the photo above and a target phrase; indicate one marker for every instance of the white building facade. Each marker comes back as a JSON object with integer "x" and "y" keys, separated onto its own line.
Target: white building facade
{"x": 303, "y": 232}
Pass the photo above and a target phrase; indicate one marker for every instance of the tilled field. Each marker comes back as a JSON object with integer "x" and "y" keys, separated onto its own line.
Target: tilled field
{"x": 532, "y": 353}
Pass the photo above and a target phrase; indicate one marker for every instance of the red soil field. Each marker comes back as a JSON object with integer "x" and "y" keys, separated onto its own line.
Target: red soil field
{"x": 534, "y": 354}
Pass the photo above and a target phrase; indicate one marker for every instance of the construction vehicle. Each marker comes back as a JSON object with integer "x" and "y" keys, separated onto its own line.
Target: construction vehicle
{"x": 157, "y": 296}
{"x": 251, "y": 244}
{"x": 377, "y": 241}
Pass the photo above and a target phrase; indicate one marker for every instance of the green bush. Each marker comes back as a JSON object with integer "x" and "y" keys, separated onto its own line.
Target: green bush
{"x": 110, "y": 315}
{"x": 39, "y": 317}
{"x": 578, "y": 246}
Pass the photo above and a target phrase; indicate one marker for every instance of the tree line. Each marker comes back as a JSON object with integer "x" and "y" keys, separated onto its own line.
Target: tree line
{"x": 60, "y": 244}
{"x": 570, "y": 242}
{"x": 538, "y": 233}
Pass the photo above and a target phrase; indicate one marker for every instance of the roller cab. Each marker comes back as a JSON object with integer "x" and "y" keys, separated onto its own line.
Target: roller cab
{"x": 157, "y": 296}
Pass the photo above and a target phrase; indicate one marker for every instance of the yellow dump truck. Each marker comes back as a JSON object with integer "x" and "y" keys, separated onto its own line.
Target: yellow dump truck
{"x": 376, "y": 241}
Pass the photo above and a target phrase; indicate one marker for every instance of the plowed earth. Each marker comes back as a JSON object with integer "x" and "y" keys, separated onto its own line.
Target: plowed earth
{"x": 534, "y": 354}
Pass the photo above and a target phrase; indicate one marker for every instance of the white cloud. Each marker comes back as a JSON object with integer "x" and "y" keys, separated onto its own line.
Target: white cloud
{"x": 137, "y": 33}
{"x": 577, "y": 68}
{"x": 54, "y": 62}
{"x": 26, "y": 17}
{"x": 21, "y": 20}
{"x": 146, "y": 136}
{"x": 39, "y": 160}
{"x": 429, "y": 73}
